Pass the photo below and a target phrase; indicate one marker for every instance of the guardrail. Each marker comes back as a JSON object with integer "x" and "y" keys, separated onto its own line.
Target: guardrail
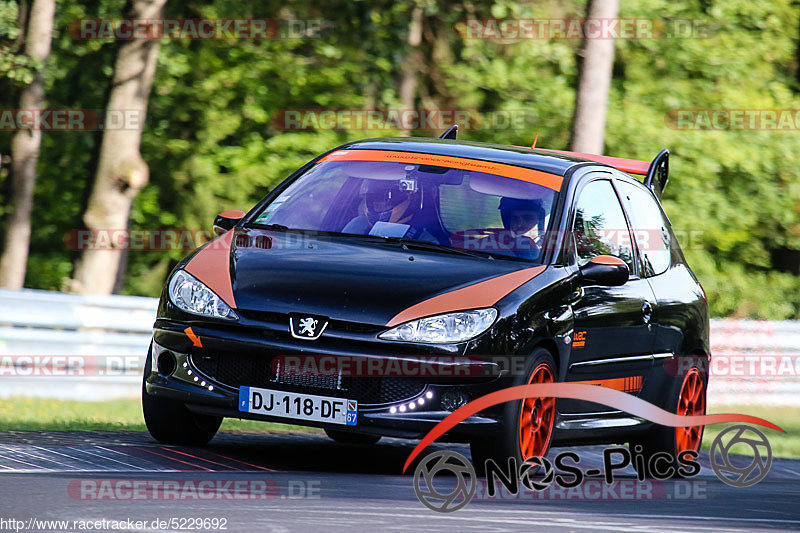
{"x": 107, "y": 336}
{"x": 754, "y": 362}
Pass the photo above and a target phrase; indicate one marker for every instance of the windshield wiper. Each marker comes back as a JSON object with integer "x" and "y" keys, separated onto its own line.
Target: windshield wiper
{"x": 278, "y": 227}
{"x": 435, "y": 247}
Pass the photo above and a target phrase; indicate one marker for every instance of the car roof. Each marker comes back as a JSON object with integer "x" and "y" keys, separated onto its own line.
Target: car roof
{"x": 541, "y": 160}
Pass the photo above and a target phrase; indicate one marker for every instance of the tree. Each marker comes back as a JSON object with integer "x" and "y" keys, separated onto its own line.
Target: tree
{"x": 411, "y": 65}
{"x": 121, "y": 171}
{"x": 591, "y": 98}
{"x": 212, "y": 142}
{"x": 25, "y": 151}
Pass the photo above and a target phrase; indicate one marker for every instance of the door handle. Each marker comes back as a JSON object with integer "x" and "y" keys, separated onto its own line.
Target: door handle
{"x": 647, "y": 312}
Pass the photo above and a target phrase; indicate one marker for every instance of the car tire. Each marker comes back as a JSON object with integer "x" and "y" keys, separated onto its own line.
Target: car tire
{"x": 688, "y": 396}
{"x": 527, "y": 422}
{"x": 170, "y": 422}
{"x": 350, "y": 437}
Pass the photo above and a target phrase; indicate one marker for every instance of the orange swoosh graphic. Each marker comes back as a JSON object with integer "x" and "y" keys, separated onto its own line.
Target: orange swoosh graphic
{"x": 591, "y": 393}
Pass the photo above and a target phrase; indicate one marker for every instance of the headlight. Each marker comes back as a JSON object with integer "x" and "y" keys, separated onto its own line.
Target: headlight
{"x": 443, "y": 329}
{"x": 190, "y": 295}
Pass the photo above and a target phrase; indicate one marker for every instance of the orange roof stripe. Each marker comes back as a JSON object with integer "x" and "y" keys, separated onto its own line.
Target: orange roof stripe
{"x": 632, "y": 166}
{"x": 545, "y": 179}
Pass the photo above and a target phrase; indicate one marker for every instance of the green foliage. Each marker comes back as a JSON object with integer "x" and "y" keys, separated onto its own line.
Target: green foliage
{"x": 211, "y": 141}
{"x": 16, "y": 68}
{"x": 735, "y": 192}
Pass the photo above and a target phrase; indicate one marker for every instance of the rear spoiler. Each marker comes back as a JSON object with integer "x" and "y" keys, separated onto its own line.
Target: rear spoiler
{"x": 655, "y": 173}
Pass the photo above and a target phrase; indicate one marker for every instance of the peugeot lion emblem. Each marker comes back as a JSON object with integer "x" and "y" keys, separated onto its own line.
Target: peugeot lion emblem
{"x": 307, "y": 327}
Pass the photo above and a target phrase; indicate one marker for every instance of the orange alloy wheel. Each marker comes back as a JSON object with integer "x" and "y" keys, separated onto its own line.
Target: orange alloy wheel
{"x": 536, "y": 417}
{"x": 691, "y": 402}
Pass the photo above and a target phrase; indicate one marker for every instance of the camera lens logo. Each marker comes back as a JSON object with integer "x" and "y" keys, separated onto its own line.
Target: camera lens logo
{"x": 540, "y": 467}
{"x": 456, "y": 469}
{"x": 735, "y": 475}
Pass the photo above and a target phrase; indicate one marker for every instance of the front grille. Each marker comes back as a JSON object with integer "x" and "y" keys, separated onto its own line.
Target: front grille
{"x": 369, "y": 390}
{"x": 308, "y": 380}
{"x": 236, "y": 370}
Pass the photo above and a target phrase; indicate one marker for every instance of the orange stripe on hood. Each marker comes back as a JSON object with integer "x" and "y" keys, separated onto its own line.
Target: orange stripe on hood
{"x": 211, "y": 265}
{"x": 545, "y": 179}
{"x": 481, "y": 294}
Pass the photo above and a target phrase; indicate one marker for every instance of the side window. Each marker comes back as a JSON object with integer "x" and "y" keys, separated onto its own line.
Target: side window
{"x": 649, "y": 229}
{"x": 600, "y": 225}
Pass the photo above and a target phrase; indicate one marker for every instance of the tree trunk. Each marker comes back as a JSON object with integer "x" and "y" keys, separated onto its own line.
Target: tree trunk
{"x": 121, "y": 171}
{"x": 25, "y": 152}
{"x": 408, "y": 85}
{"x": 591, "y": 99}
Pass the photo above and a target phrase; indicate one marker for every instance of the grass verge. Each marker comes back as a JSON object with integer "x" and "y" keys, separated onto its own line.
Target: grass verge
{"x": 788, "y": 418}
{"x": 44, "y": 414}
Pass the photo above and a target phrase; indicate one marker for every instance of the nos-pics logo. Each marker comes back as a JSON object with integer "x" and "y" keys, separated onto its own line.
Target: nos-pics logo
{"x": 457, "y": 479}
{"x": 456, "y": 495}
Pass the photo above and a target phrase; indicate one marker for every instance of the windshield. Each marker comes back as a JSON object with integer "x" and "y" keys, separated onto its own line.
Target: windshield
{"x": 447, "y": 204}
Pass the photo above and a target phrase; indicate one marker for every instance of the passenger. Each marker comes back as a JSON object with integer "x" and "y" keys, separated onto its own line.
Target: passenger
{"x": 523, "y": 220}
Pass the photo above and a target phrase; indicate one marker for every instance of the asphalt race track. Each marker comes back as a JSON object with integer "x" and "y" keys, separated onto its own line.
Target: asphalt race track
{"x": 306, "y": 482}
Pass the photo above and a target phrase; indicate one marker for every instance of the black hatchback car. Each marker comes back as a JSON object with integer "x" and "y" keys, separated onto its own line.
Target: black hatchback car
{"x": 389, "y": 282}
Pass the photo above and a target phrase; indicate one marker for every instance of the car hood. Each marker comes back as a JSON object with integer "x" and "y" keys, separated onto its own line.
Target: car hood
{"x": 346, "y": 278}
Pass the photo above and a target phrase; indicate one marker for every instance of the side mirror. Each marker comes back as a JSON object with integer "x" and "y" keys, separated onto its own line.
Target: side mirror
{"x": 226, "y": 220}
{"x": 605, "y": 270}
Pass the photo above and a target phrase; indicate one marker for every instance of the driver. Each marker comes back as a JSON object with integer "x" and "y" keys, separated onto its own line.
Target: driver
{"x": 386, "y": 201}
{"x": 523, "y": 220}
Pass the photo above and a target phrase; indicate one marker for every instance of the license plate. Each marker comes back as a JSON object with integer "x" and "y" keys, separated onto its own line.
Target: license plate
{"x": 298, "y": 406}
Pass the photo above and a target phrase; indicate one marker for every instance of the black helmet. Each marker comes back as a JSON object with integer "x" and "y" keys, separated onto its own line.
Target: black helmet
{"x": 394, "y": 201}
{"x": 508, "y": 205}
